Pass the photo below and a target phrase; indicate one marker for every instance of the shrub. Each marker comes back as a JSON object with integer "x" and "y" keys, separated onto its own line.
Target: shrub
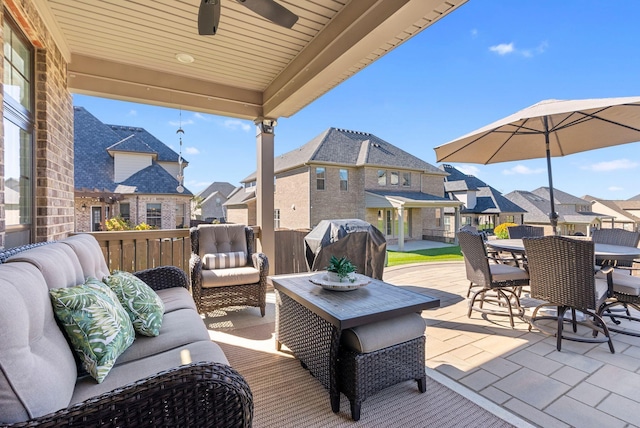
{"x": 501, "y": 231}
{"x": 117, "y": 223}
{"x": 143, "y": 226}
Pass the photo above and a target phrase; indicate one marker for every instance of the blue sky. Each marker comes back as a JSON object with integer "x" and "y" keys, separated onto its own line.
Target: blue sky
{"x": 488, "y": 59}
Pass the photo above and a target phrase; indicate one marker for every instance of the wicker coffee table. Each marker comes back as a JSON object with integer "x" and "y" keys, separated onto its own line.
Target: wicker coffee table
{"x": 310, "y": 319}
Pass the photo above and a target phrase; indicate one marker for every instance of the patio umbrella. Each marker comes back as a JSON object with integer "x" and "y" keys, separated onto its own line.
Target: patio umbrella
{"x": 549, "y": 128}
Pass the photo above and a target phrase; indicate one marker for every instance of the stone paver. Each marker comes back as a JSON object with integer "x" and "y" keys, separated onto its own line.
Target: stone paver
{"x": 584, "y": 385}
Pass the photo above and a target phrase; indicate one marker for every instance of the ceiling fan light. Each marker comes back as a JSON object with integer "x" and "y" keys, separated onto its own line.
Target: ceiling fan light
{"x": 184, "y": 58}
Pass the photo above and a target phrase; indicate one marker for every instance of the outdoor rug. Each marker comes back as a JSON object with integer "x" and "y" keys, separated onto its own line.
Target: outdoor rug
{"x": 286, "y": 395}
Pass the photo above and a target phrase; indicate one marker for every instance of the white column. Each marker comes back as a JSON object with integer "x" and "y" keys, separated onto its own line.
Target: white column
{"x": 456, "y": 224}
{"x": 264, "y": 189}
{"x": 401, "y": 228}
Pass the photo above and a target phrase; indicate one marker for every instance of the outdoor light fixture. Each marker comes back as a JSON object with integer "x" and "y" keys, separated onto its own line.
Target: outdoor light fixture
{"x": 84, "y": 207}
{"x": 184, "y": 58}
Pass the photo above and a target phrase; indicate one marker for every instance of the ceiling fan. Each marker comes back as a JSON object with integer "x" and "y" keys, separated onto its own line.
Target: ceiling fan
{"x": 209, "y": 14}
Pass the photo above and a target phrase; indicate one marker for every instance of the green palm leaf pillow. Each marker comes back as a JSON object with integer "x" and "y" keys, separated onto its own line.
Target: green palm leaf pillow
{"x": 144, "y": 306}
{"x": 96, "y": 324}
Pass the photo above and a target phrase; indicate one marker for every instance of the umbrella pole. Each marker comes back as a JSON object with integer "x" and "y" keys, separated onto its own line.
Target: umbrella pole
{"x": 553, "y": 215}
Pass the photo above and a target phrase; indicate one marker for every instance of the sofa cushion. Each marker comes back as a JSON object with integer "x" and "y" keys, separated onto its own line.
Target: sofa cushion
{"x": 224, "y": 260}
{"x": 179, "y": 328}
{"x": 144, "y": 306}
{"x": 57, "y": 262}
{"x": 221, "y": 238}
{"x": 96, "y": 324}
{"x": 133, "y": 371}
{"x": 37, "y": 368}
{"x": 382, "y": 334}
{"x": 176, "y": 298}
{"x": 230, "y": 276}
{"x": 87, "y": 249}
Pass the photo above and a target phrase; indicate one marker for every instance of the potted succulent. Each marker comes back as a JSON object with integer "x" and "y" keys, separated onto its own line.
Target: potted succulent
{"x": 341, "y": 270}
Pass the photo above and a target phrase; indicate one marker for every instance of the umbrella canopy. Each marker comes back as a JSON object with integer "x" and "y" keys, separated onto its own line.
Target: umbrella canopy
{"x": 547, "y": 129}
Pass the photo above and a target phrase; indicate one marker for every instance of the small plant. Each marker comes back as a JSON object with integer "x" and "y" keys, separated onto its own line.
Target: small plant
{"x": 117, "y": 223}
{"x": 342, "y": 267}
{"x": 143, "y": 226}
{"x": 501, "y": 231}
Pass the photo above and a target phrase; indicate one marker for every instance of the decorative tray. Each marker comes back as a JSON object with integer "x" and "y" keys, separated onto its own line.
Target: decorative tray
{"x": 322, "y": 280}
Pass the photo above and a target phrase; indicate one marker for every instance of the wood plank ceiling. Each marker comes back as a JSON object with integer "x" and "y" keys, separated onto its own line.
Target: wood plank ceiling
{"x": 252, "y": 68}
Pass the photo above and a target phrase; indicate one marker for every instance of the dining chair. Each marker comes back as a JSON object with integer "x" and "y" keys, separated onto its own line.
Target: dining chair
{"x": 561, "y": 273}
{"x": 616, "y": 236}
{"x": 499, "y": 283}
{"x": 524, "y": 231}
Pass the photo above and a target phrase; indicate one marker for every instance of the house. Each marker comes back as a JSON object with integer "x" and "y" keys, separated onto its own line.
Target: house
{"x": 351, "y": 174}
{"x": 484, "y": 207}
{"x": 125, "y": 171}
{"x": 211, "y": 201}
{"x": 621, "y": 212}
{"x": 575, "y": 215}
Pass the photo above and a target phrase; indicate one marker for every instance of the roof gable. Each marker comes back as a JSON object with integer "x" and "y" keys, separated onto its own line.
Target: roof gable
{"x": 155, "y": 179}
{"x": 165, "y": 153}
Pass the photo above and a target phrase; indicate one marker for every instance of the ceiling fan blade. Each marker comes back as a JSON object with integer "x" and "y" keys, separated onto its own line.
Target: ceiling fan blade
{"x": 272, "y": 11}
{"x": 208, "y": 17}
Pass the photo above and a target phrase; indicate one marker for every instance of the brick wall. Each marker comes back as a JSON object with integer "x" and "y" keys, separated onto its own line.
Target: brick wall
{"x": 292, "y": 198}
{"x": 53, "y": 136}
{"x": 333, "y": 203}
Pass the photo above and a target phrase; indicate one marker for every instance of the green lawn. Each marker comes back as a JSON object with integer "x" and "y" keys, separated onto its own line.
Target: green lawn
{"x": 431, "y": 255}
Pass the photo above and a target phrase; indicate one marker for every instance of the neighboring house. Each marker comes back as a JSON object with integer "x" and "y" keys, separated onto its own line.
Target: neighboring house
{"x": 212, "y": 201}
{"x": 122, "y": 170}
{"x": 350, "y": 174}
{"x": 575, "y": 215}
{"x": 484, "y": 207}
{"x": 621, "y": 212}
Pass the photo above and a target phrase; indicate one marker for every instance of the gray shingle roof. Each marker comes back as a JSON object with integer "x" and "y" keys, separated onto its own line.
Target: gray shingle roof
{"x": 536, "y": 207}
{"x": 241, "y": 197}
{"x": 93, "y": 166}
{"x": 132, "y": 144}
{"x": 353, "y": 148}
{"x": 617, "y": 206}
{"x": 165, "y": 153}
{"x": 223, "y": 187}
{"x": 408, "y": 196}
{"x": 560, "y": 196}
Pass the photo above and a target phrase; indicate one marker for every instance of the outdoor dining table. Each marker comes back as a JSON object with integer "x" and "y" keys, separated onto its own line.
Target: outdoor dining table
{"x": 605, "y": 251}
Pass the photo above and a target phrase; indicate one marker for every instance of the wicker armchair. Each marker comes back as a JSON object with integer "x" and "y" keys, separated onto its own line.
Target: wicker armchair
{"x": 622, "y": 237}
{"x": 215, "y": 287}
{"x": 561, "y": 273}
{"x": 524, "y": 231}
{"x": 499, "y": 283}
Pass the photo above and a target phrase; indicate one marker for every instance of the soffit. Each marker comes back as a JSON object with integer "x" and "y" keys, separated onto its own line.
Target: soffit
{"x": 125, "y": 49}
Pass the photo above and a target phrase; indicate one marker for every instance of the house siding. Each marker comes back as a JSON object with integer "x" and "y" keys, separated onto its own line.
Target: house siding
{"x": 127, "y": 164}
{"x": 53, "y": 133}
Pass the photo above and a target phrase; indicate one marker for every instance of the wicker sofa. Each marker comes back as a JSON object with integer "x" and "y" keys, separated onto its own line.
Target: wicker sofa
{"x": 151, "y": 383}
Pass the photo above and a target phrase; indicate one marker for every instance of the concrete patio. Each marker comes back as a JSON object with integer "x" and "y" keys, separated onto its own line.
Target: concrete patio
{"x": 521, "y": 371}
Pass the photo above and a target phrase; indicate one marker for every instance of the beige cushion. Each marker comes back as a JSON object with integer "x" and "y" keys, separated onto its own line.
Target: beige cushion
{"x": 623, "y": 283}
{"x": 88, "y": 251}
{"x": 133, "y": 371}
{"x": 382, "y": 334}
{"x": 57, "y": 262}
{"x": 176, "y": 298}
{"x": 224, "y": 260}
{"x": 502, "y": 272}
{"x": 37, "y": 367}
{"x": 231, "y": 276}
{"x": 221, "y": 238}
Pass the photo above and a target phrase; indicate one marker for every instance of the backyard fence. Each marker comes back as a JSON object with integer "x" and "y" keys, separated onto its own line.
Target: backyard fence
{"x": 290, "y": 257}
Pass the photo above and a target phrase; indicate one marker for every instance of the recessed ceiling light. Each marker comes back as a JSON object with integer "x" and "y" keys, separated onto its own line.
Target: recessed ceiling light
{"x": 184, "y": 58}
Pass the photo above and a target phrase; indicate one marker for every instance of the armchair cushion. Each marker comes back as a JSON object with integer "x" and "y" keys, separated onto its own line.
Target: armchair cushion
{"x": 96, "y": 324}
{"x": 231, "y": 276}
{"x": 224, "y": 260}
{"x": 502, "y": 272}
{"x": 144, "y": 306}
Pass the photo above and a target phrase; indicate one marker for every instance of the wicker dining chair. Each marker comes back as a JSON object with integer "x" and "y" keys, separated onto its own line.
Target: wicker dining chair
{"x": 499, "y": 283}
{"x": 616, "y": 236}
{"x": 524, "y": 231}
{"x": 561, "y": 273}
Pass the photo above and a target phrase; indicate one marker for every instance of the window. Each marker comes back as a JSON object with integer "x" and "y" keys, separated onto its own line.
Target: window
{"x": 276, "y": 218}
{"x": 320, "y": 175}
{"x": 154, "y": 215}
{"x": 218, "y": 202}
{"x": 180, "y": 210}
{"x": 509, "y": 219}
{"x": 394, "y": 178}
{"x": 125, "y": 212}
{"x": 344, "y": 179}
{"x": 439, "y": 217}
{"x": 382, "y": 177}
{"x": 18, "y": 137}
{"x": 406, "y": 179}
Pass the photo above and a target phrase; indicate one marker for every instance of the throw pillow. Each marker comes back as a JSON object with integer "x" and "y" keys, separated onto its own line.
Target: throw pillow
{"x": 144, "y": 306}
{"x": 224, "y": 260}
{"x": 96, "y": 324}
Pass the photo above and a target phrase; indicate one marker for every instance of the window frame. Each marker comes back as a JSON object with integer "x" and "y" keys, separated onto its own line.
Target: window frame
{"x": 395, "y": 176}
{"x": 406, "y": 179}
{"x": 382, "y": 177}
{"x": 344, "y": 183}
{"x": 322, "y": 179}
{"x": 157, "y": 219}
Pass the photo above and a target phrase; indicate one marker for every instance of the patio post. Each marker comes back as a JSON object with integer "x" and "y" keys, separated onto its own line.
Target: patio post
{"x": 265, "y": 188}
{"x": 401, "y": 228}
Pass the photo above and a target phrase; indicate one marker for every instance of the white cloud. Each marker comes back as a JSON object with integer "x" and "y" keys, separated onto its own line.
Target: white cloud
{"x": 502, "y": 48}
{"x": 201, "y": 116}
{"x": 133, "y": 113}
{"x": 510, "y": 48}
{"x": 523, "y": 170}
{"x": 615, "y": 189}
{"x": 191, "y": 151}
{"x": 474, "y": 33}
{"x": 236, "y": 124}
{"x": 611, "y": 165}
{"x": 179, "y": 123}
{"x": 468, "y": 169}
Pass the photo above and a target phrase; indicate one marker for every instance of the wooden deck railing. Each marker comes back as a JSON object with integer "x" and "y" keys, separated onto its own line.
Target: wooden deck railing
{"x": 135, "y": 250}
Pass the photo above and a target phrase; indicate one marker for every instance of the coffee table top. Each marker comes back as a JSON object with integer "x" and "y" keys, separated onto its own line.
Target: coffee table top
{"x": 376, "y": 301}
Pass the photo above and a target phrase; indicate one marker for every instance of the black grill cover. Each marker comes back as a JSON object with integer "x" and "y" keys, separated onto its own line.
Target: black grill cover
{"x": 358, "y": 240}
